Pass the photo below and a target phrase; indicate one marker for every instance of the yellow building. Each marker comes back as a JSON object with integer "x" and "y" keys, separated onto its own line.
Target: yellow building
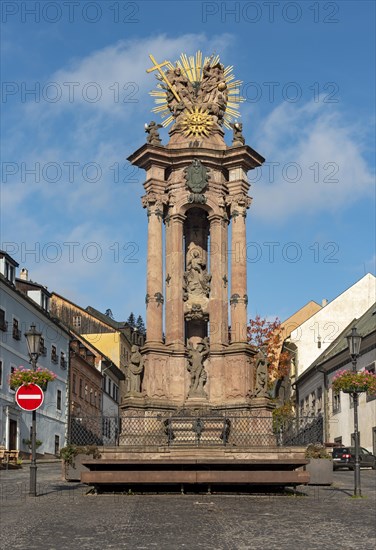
{"x": 114, "y": 339}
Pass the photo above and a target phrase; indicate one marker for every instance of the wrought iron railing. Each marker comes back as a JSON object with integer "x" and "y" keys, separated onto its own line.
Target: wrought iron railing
{"x": 197, "y": 430}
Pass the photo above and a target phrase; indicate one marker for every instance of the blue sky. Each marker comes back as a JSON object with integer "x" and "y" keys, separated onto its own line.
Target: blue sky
{"x": 77, "y": 222}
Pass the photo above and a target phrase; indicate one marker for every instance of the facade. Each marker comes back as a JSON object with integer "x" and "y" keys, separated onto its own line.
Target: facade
{"x": 22, "y": 303}
{"x": 111, "y": 377}
{"x": 111, "y": 339}
{"x": 311, "y": 338}
{"x": 315, "y": 396}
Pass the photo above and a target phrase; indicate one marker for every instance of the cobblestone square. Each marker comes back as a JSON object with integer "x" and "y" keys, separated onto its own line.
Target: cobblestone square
{"x": 65, "y": 516}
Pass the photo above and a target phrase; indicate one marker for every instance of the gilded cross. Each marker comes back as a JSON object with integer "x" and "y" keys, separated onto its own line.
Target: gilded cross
{"x": 158, "y": 68}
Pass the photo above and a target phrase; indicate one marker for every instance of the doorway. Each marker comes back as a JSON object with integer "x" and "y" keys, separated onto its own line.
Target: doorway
{"x": 12, "y": 434}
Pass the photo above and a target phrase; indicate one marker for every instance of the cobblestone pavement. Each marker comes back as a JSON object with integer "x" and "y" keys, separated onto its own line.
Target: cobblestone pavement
{"x": 63, "y": 516}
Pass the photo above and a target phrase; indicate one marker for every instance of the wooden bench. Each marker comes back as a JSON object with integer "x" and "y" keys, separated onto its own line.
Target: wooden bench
{"x": 196, "y": 471}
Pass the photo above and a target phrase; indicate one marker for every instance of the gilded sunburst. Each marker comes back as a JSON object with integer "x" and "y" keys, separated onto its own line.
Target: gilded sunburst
{"x": 196, "y": 119}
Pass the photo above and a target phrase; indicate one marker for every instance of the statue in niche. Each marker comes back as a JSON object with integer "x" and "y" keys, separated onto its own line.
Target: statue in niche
{"x": 196, "y": 277}
{"x": 196, "y": 176}
{"x": 152, "y": 130}
{"x": 261, "y": 386}
{"x": 135, "y": 370}
{"x": 237, "y": 137}
{"x": 196, "y": 357}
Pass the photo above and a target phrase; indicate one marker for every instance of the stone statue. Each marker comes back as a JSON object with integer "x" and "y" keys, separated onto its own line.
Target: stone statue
{"x": 135, "y": 370}
{"x": 196, "y": 278}
{"x": 196, "y": 357}
{"x": 213, "y": 92}
{"x": 183, "y": 89}
{"x": 153, "y": 134}
{"x": 237, "y": 137}
{"x": 261, "y": 386}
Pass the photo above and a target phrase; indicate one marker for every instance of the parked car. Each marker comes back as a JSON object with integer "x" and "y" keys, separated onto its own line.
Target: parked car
{"x": 344, "y": 457}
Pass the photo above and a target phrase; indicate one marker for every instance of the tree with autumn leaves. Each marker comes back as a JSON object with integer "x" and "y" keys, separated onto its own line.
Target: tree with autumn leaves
{"x": 262, "y": 332}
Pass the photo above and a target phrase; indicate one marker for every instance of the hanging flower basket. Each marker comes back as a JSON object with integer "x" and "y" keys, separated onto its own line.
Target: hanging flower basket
{"x": 354, "y": 382}
{"x": 21, "y": 376}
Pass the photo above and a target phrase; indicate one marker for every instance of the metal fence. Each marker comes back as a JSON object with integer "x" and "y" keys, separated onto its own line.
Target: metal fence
{"x": 197, "y": 430}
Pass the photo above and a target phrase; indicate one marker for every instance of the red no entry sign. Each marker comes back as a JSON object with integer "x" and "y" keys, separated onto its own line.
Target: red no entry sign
{"x": 30, "y": 397}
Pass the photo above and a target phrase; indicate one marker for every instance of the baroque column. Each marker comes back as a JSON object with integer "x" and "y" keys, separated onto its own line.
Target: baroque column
{"x": 218, "y": 270}
{"x": 174, "y": 281}
{"x": 239, "y": 298}
{"x": 154, "y": 285}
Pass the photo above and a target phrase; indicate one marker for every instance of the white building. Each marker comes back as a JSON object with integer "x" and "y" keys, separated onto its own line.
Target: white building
{"x": 310, "y": 339}
{"x": 23, "y": 303}
{"x": 315, "y": 395}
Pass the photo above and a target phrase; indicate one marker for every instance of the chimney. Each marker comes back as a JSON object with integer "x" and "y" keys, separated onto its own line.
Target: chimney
{"x": 24, "y": 275}
{"x": 324, "y": 302}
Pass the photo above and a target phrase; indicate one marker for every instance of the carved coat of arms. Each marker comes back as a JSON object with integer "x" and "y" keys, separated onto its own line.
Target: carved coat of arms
{"x": 196, "y": 176}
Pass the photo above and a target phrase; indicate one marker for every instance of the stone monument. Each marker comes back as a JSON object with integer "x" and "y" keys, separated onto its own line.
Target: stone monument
{"x": 196, "y": 188}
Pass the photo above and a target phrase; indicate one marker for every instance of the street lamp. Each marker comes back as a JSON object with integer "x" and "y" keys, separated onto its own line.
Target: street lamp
{"x": 354, "y": 340}
{"x": 33, "y": 343}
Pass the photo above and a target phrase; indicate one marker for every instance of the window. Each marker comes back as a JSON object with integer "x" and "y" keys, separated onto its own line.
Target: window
{"x": 336, "y": 402}
{"x": 338, "y": 441}
{"x": 95, "y": 399}
{"x": 9, "y": 272}
{"x": 63, "y": 362}
{"x": 57, "y": 445}
{"x": 44, "y": 301}
{"x": 16, "y": 331}
{"x": 371, "y": 368}
{"x": 81, "y": 388}
{"x": 3, "y": 323}
{"x": 306, "y": 406}
{"x": 351, "y": 401}
{"x": 301, "y": 408}
{"x": 91, "y": 396}
{"x": 86, "y": 392}
{"x": 313, "y": 403}
{"x": 58, "y": 400}
{"x": 42, "y": 347}
{"x": 53, "y": 354}
{"x": 74, "y": 381}
{"x": 11, "y": 371}
{"x": 109, "y": 386}
{"x": 319, "y": 400}
{"x": 76, "y": 321}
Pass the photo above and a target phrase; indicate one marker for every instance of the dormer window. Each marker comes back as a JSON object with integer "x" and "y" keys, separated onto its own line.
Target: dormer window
{"x": 76, "y": 321}
{"x": 10, "y": 273}
{"x": 44, "y": 301}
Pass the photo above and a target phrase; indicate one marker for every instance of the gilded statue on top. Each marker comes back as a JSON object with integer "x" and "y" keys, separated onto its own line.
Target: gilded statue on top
{"x": 197, "y": 94}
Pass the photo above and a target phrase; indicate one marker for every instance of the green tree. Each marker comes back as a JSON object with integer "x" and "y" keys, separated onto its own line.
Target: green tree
{"x": 140, "y": 325}
{"x": 131, "y": 320}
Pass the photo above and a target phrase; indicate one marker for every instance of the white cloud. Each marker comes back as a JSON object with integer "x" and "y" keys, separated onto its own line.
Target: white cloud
{"x": 114, "y": 80}
{"x": 312, "y": 144}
